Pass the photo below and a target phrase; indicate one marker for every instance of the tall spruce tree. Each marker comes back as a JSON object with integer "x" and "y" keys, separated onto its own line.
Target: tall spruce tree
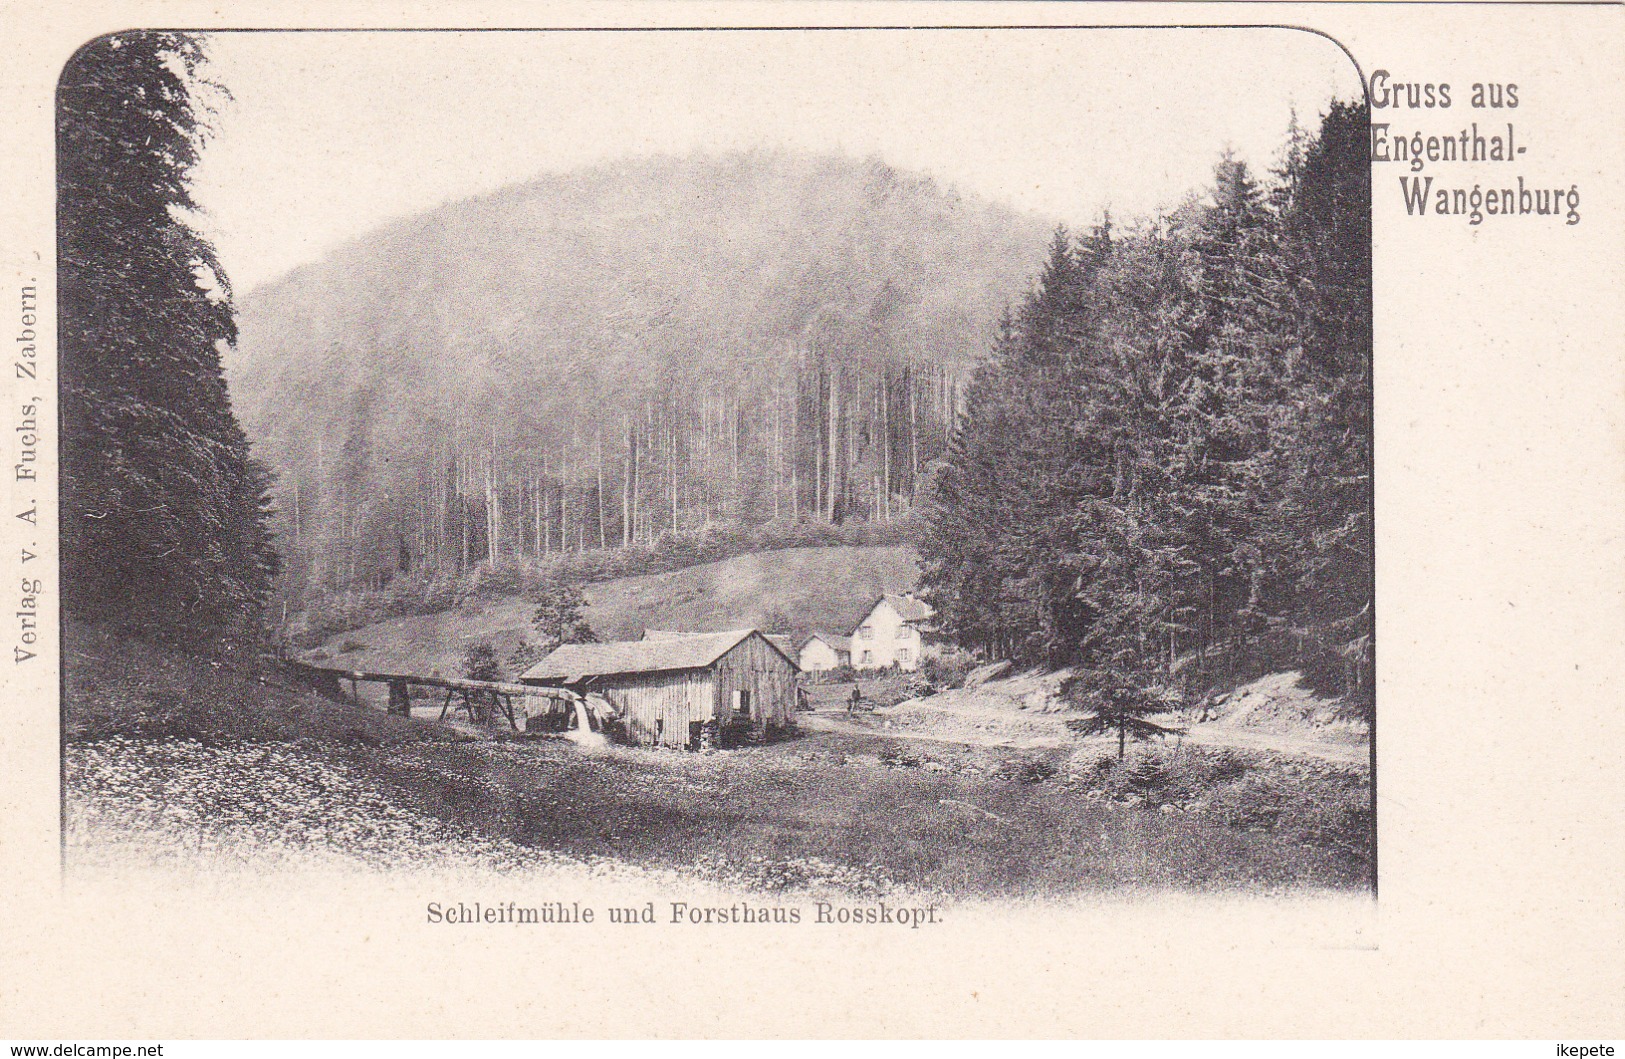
{"x": 163, "y": 513}
{"x": 1224, "y": 425}
{"x": 1327, "y": 451}
{"x": 969, "y": 505}
{"x": 1000, "y": 522}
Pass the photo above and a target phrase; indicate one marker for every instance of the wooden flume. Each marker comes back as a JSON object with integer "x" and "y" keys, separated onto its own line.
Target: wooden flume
{"x": 326, "y": 680}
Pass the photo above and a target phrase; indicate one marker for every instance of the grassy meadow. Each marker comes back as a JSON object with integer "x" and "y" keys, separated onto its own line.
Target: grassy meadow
{"x": 811, "y": 588}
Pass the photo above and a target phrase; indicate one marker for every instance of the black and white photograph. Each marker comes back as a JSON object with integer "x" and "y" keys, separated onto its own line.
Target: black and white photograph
{"x": 877, "y": 469}
{"x": 811, "y": 521}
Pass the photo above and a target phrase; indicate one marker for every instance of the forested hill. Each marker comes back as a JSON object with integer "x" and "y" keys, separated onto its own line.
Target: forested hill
{"x": 595, "y": 358}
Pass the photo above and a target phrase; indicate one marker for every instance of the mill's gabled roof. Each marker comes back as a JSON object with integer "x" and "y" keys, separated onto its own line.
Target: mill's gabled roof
{"x": 669, "y": 651}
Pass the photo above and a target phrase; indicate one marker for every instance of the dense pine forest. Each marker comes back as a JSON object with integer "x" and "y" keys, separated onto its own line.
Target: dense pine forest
{"x": 1163, "y": 468}
{"x": 621, "y": 359}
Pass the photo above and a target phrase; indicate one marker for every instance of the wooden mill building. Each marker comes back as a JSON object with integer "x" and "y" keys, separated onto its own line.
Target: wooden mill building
{"x": 681, "y": 690}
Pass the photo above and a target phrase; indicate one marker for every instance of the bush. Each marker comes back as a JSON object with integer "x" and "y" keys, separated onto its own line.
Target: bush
{"x": 1035, "y": 771}
{"x": 1148, "y": 773}
{"x": 947, "y": 670}
{"x": 896, "y": 757}
{"x": 1159, "y": 774}
{"x": 504, "y": 580}
{"x": 1224, "y": 765}
{"x": 558, "y": 617}
{"x": 480, "y": 663}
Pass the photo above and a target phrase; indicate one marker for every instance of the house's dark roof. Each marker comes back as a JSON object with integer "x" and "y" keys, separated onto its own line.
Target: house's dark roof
{"x": 907, "y": 607}
{"x": 658, "y": 654}
{"x": 839, "y": 643}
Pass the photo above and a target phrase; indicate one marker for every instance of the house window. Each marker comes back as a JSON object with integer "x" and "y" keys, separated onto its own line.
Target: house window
{"x": 742, "y": 702}
{"x": 868, "y": 657}
{"x": 867, "y": 632}
{"x": 902, "y": 654}
{"x": 905, "y": 632}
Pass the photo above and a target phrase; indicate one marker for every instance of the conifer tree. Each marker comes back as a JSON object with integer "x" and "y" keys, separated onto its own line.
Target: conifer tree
{"x": 1112, "y": 703}
{"x": 163, "y": 513}
{"x": 1326, "y": 453}
{"x": 969, "y": 509}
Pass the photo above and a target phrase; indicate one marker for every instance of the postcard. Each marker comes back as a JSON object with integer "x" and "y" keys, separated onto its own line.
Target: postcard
{"x": 920, "y": 520}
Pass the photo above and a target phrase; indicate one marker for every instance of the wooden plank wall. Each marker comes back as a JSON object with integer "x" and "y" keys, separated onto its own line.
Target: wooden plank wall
{"x": 769, "y": 676}
{"x": 679, "y": 699}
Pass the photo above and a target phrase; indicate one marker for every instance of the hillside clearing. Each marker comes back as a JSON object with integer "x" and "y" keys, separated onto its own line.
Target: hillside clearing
{"x": 812, "y": 588}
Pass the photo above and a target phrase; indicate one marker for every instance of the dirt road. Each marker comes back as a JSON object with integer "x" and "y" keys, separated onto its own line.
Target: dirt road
{"x": 1277, "y": 714}
{"x": 874, "y": 724}
{"x": 1279, "y": 743}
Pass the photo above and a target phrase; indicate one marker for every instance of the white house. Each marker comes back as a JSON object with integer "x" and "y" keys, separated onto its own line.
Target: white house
{"x": 821, "y": 653}
{"x": 889, "y": 634}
